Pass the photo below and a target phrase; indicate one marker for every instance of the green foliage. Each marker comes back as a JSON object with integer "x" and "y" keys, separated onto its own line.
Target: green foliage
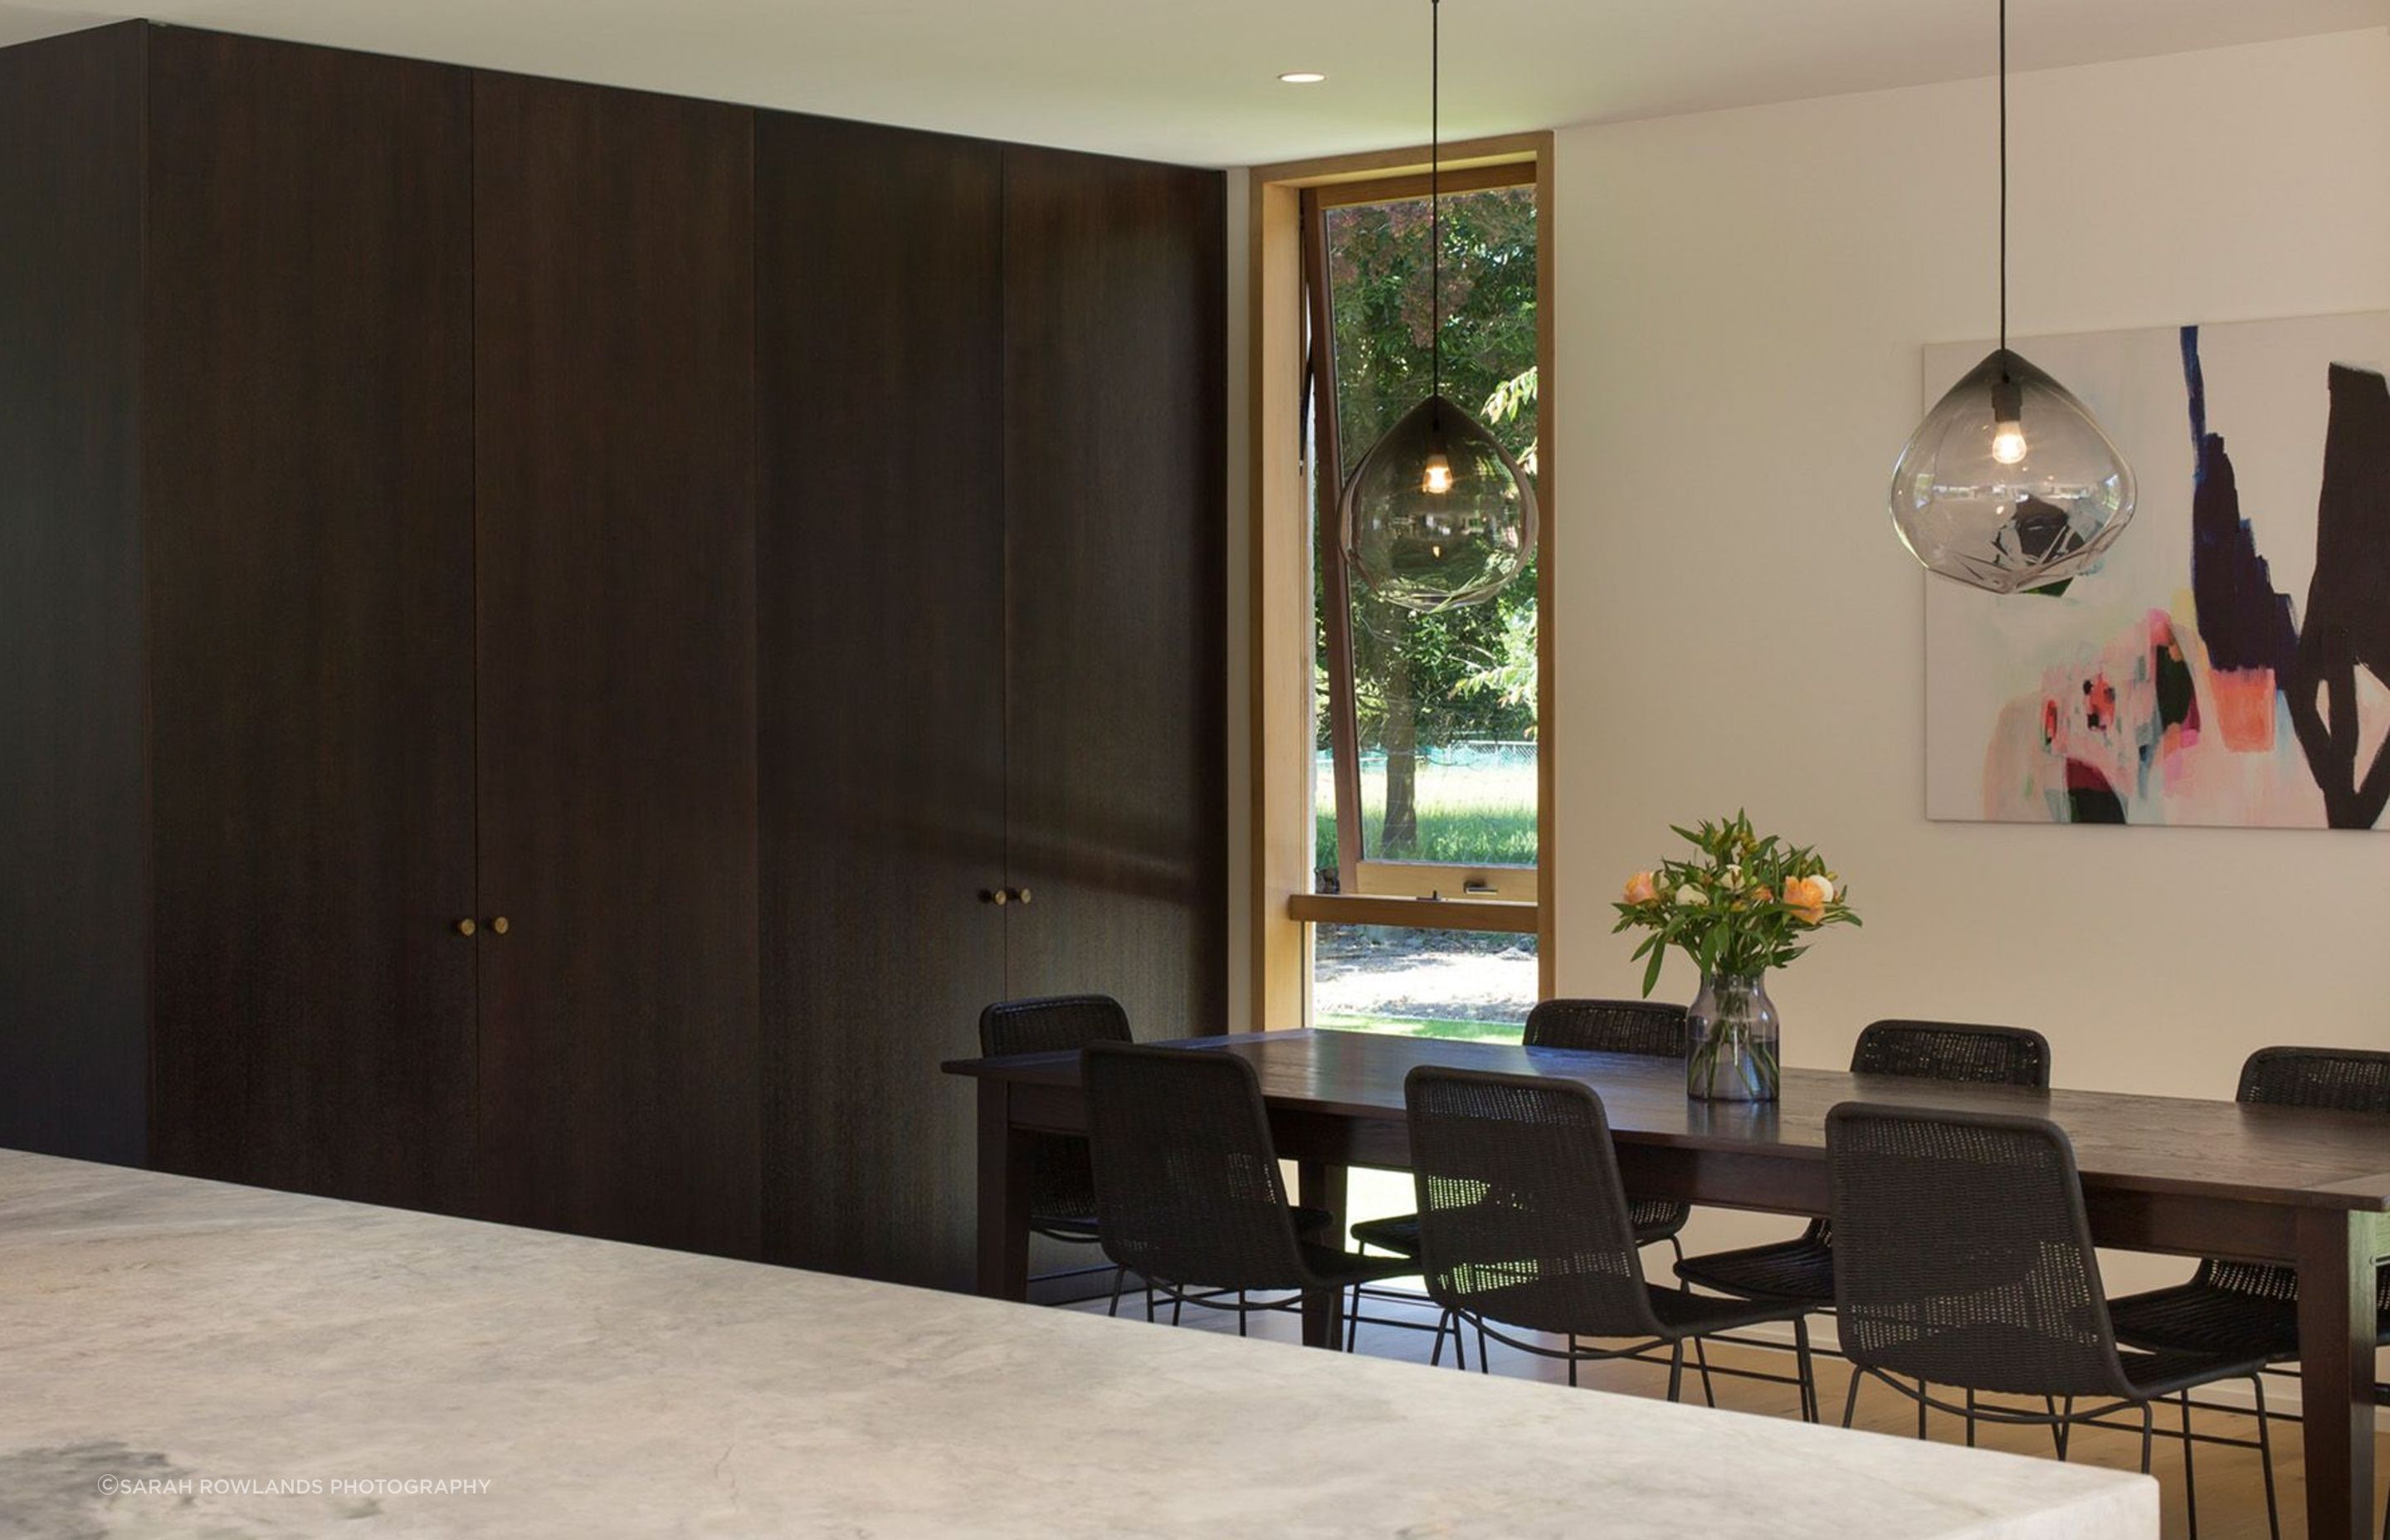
{"x": 1746, "y": 904}
{"x": 1513, "y": 397}
{"x": 1509, "y": 677}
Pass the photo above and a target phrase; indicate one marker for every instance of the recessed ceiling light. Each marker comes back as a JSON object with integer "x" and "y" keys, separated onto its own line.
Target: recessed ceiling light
{"x": 1303, "y": 77}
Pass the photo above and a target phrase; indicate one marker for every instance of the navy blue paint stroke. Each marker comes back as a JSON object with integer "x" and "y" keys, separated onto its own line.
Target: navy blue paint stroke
{"x": 2246, "y": 624}
{"x": 2349, "y": 603}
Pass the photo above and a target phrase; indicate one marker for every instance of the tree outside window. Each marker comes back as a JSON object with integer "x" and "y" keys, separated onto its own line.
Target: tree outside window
{"x": 1446, "y": 704}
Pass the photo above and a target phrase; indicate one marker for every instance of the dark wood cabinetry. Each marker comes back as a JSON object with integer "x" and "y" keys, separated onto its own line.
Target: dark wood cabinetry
{"x": 75, "y": 948}
{"x": 1113, "y": 314}
{"x": 879, "y": 362}
{"x": 615, "y": 466}
{"x": 727, "y": 548}
{"x": 1035, "y": 618}
{"x": 308, "y": 405}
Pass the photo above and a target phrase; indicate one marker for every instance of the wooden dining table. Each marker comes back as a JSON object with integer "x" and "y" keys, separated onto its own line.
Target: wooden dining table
{"x": 2160, "y": 1174}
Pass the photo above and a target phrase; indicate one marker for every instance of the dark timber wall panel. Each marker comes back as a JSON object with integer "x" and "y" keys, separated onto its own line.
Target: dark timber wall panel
{"x": 311, "y": 554}
{"x": 879, "y": 356}
{"x": 614, "y": 405}
{"x": 1115, "y": 501}
{"x": 73, "y": 908}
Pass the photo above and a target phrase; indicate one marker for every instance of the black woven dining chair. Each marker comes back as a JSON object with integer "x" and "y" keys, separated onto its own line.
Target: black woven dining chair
{"x": 1644, "y": 1027}
{"x": 1802, "y": 1269}
{"x": 2253, "y": 1307}
{"x": 1061, "y": 1178}
{"x": 2247, "y": 1307}
{"x": 1187, "y": 1192}
{"x": 1963, "y": 1259}
{"x": 1524, "y": 1227}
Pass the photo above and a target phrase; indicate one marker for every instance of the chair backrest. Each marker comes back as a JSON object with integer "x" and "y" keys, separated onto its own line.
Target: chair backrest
{"x": 1954, "y": 1050}
{"x": 1053, "y": 1025}
{"x": 1961, "y": 1253}
{"x": 1523, "y": 1219}
{"x": 1647, "y": 1027}
{"x": 2338, "y": 1080}
{"x": 2343, "y": 1079}
{"x": 1187, "y": 1181}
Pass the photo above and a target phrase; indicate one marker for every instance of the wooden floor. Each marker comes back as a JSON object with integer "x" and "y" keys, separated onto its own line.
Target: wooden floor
{"x": 2231, "y": 1496}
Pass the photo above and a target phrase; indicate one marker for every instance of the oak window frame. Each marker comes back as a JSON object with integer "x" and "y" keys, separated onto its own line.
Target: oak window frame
{"x": 1287, "y": 203}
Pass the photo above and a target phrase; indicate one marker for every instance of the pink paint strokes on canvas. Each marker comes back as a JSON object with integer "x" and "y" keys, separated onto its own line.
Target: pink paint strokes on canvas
{"x": 2218, "y": 698}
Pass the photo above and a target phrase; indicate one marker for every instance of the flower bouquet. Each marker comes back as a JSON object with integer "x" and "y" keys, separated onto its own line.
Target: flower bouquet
{"x": 1744, "y": 904}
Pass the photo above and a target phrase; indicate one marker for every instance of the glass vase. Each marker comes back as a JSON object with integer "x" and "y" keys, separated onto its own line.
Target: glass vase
{"x": 1733, "y": 1035}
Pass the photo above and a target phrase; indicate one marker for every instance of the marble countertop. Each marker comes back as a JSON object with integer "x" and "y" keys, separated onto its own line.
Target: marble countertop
{"x": 188, "y": 1358}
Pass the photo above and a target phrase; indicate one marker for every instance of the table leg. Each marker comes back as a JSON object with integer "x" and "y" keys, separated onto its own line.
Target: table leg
{"x": 2336, "y": 1326}
{"x": 1003, "y": 1198}
{"x": 1320, "y": 1185}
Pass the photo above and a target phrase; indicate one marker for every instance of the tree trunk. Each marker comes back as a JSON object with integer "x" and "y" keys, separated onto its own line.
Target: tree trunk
{"x": 1399, "y": 841}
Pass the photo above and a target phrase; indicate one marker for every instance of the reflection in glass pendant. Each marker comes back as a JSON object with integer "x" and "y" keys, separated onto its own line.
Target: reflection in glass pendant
{"x": 2009, "y": 483}
{"x": 1437, "y": 515}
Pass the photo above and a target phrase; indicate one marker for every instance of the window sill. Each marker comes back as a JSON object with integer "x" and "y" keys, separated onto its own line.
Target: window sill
{"x": 1418, "y": 914}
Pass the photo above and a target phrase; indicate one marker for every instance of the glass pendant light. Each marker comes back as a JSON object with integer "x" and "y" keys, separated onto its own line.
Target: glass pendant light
{"x": 2010, "y": 483}
{"x": 1437, "y": 515}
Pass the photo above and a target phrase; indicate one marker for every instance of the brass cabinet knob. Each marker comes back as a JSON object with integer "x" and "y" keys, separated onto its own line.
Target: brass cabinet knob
{"x": 498, "y": 924}
{"x": 1020, "y": 894}
{"x": 466, "y": 926}
{"x": 997, "y": 896}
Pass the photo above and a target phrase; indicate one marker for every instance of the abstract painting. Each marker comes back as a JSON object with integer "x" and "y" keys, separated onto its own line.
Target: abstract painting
{"x": 2229, "y": 662}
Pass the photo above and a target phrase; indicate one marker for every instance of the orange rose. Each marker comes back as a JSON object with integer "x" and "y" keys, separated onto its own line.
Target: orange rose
{"x": 1807, "y": 897}
{"x": 1641, "y": 888}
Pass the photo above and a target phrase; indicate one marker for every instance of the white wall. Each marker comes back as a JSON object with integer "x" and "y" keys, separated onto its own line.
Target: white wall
{"x": 1742, "y": 301}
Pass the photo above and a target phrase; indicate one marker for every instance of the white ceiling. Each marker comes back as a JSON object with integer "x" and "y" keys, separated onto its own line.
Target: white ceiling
{"x": 1196, "y": 80}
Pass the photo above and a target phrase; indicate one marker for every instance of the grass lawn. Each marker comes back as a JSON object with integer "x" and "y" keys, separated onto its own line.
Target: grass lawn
{"x": 1403, "y": 1026}
{"x": 1468, "y": 815}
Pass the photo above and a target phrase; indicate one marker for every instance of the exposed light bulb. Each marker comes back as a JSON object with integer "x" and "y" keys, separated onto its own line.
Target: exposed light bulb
{"x": 1438, "y": 480}
{"x": 2007, "y": 419}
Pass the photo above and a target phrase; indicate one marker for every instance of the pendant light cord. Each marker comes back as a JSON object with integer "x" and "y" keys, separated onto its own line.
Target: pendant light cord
{"x": 1435, "y": 191}
{"x": 2004, "y": 176}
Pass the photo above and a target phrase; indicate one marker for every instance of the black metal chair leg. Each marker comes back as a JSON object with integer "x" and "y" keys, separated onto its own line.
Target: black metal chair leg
{"x": 2265, "y": 1462}
{"x": 2189, "y": 1471}
{"x": 1459, "y": 1352}
{"x": 1675, "y": 1367}
{"x": 1353, "y": 1323}
{"x": 2057, "y": 1428}
{"x": 1120, "y": 1277}
{"x": 2066, "y": 1428}
{"x": 1921, "y": 1408}
{"x": 1970, "y": 1419}
{"x": 1851, "y": 1402}
{"x": 1572, "y": 1364}
{"x": 2146, "y": 1427}
{"x": 1806, "y": 1368}
{"x": 1702, "y": 1362}
{"x": 1178, "y": 1302}
{"x": 1240, "y": 1314}
{"x": 1436, "y": 1353}
{"x": 1148, "y": 1301}
{"x": 1484, "y": 1357}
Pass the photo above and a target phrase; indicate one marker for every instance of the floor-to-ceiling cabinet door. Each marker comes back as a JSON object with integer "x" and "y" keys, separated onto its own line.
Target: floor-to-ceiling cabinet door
{"x": 614, "y": 402}
{"x": 308, "y": 478}
{"x": 74, "y": 898}
{"x": 1116, "y": 528}
{"x": 879, "y": 354}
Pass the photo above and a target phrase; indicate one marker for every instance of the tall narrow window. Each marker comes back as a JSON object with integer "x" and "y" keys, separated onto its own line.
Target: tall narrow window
{"x": 1425, "y": 750}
